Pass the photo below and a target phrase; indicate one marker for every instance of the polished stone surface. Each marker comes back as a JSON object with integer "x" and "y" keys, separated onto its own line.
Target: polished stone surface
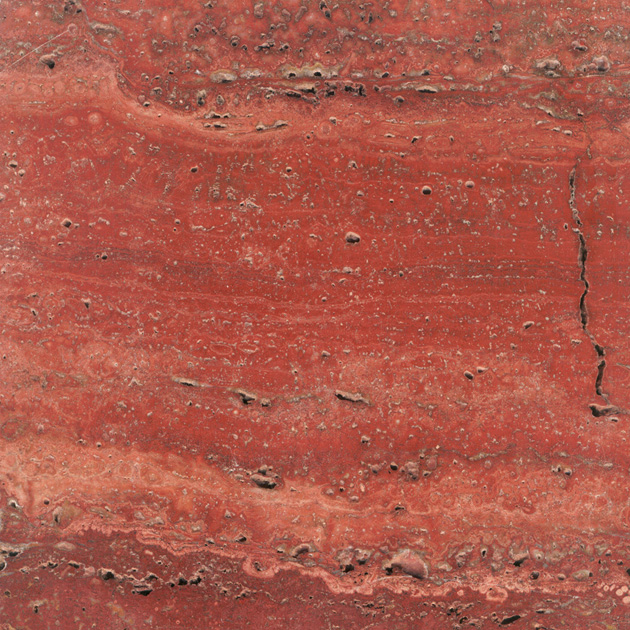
{"x": 314, "y": 314}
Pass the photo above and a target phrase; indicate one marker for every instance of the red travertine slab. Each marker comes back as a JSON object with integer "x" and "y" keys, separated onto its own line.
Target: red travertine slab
{"x": 314, "y": 314}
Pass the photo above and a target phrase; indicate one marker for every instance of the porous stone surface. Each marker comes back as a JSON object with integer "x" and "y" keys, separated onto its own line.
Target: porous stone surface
{"x": 314, "y": 314}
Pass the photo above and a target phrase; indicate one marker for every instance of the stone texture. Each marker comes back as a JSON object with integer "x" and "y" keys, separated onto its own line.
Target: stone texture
{"x": 314, "y": 314}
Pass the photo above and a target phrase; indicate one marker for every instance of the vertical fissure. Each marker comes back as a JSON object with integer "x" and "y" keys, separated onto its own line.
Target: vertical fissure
{"x": 584, "y": 319}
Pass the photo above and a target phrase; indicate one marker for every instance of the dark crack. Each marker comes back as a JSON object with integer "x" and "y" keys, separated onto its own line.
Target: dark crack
{"x": 582, "y": 260}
